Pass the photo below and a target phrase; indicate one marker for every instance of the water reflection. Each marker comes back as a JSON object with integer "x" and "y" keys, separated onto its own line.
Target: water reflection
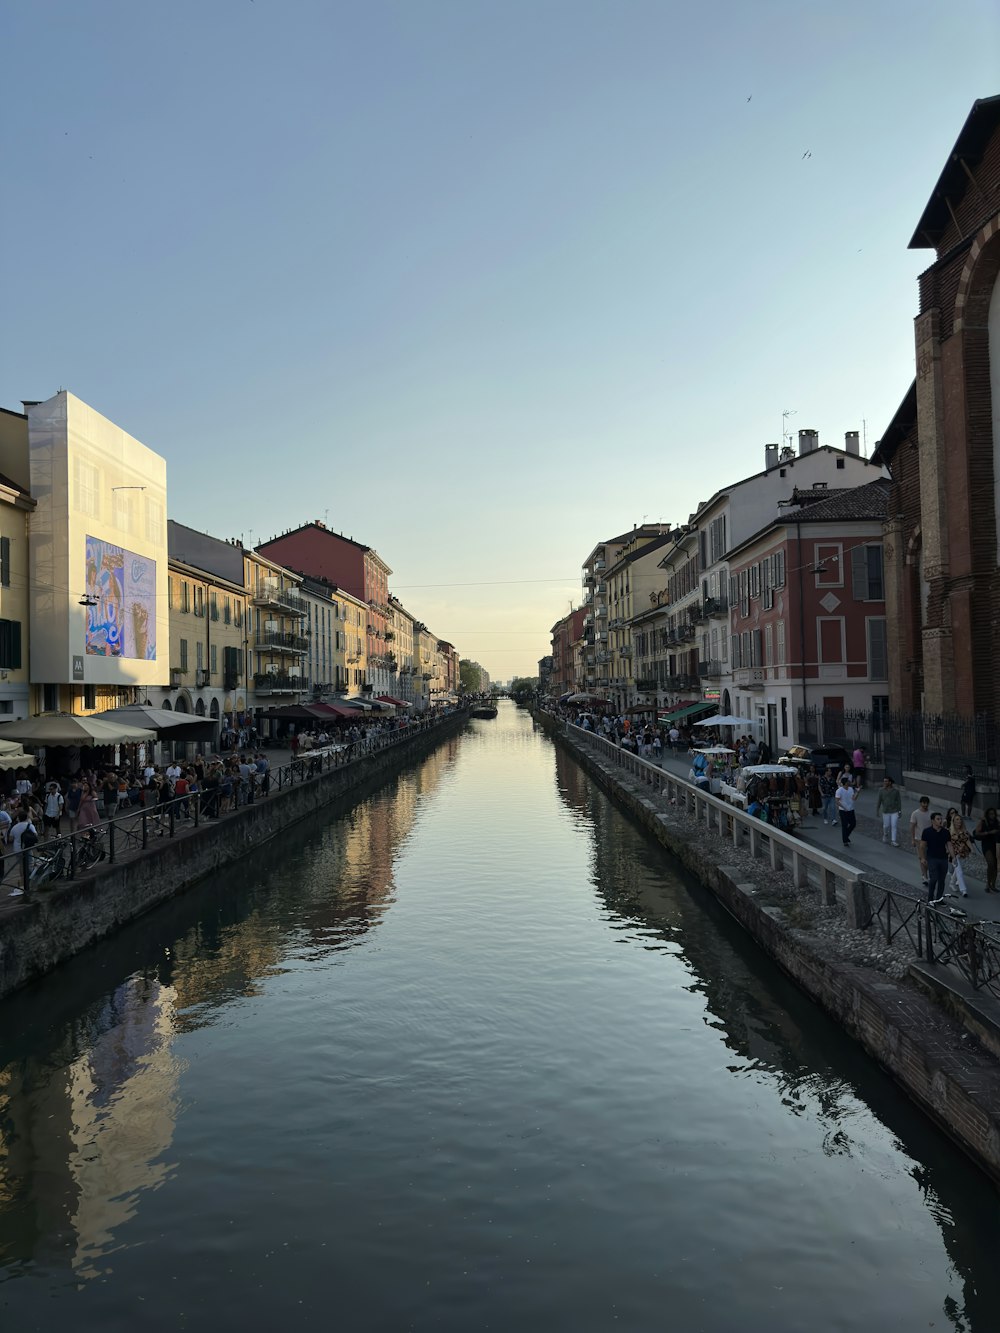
{"x": 478, "y": 1035}
{"x": 778, "y": 1037}
{"x": 89, "y": 1084}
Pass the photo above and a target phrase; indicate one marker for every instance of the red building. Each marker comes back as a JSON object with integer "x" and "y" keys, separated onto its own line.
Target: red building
{"x": 567, "y": 635}
{"x": 321, "y": 554}
{"x": 808, "y": 646}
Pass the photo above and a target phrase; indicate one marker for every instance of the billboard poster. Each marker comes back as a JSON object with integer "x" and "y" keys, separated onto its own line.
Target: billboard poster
{"x": 121, "y": 589}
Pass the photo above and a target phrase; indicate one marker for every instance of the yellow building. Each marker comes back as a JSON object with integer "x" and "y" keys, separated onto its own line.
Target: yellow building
{"x": 208, "y": 616}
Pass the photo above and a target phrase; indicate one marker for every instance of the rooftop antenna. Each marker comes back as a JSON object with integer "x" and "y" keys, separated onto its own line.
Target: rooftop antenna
{"x": 786, "y": 434}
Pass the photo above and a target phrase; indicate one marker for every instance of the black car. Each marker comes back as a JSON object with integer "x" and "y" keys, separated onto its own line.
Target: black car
{"x": 801, "y": 756}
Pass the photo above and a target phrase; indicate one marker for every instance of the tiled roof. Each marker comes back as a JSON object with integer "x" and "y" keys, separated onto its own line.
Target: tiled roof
{"x": 860, "y": 502}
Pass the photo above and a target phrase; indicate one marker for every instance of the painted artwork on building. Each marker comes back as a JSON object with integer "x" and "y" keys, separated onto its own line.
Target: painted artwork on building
{"x": 121, "y": 587}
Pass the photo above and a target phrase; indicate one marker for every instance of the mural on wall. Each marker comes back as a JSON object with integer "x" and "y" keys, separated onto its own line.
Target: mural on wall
{"x": 121, "y": 621}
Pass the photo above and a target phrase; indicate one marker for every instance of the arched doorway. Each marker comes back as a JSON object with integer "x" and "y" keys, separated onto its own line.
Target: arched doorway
{"x": 727, "y": 705}
{"x": 166, "y": 705}
{"x": 199, "y": 708}
{"x": 213, "y": 711}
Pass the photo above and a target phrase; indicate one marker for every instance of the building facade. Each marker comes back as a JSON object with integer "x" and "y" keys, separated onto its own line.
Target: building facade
{"x": 942, "y": 536}
{"x": 99, "y": 626}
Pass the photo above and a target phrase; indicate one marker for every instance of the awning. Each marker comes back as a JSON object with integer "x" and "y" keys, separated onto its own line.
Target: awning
{"x": 327, "y": 712}
{"x": 706, "y": 705}
{"x": 390, "y": 699}
{"x": 290, "y": 713}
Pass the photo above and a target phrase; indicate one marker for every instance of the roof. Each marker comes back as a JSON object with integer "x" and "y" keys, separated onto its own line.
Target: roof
{"x": 980, "y": 126}
{"x": 860, "y": 502}
{"x": 723, "y": 491}
{"x": 903, "y": 421}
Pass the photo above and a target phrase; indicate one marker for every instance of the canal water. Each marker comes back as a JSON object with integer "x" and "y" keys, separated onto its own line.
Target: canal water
{"x": 474, "y": 1055}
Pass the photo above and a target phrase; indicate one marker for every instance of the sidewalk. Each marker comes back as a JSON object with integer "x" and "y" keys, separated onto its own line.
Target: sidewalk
{"x": 869, "y": 853}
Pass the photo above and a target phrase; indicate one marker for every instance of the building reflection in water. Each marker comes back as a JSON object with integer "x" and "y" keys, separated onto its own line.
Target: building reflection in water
{"x": 90, "y": 1092}
{"x": 776, "y": 1034}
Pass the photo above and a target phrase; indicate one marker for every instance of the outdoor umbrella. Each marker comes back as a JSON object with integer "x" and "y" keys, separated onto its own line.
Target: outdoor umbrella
{"x": 584, "y": 699}
{"x": 168, "y": 725}
{"x": 66, "y": 729}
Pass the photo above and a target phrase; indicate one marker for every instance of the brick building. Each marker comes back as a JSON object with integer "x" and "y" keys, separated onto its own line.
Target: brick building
{"x": 942, "y": 447}
{"x": 315, "y": 551}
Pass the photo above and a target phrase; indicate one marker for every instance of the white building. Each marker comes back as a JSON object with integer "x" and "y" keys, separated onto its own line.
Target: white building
{"x": 99, "y": 627}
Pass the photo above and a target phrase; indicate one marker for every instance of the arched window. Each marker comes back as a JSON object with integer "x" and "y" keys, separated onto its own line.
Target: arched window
{"x": 213, "y": 711}
{"x": 166, "y": 705}
{"x": 199, "y": 708}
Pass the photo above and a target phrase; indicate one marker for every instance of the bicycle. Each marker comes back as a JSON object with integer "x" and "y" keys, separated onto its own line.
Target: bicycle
{"x": 90, "y": 850}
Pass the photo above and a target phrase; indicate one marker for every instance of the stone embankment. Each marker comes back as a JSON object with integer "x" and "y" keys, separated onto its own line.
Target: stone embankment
{"x": 865, "y": 985}
{"x": 53, "y": 924}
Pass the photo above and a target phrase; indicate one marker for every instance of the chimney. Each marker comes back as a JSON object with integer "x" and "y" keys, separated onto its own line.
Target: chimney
{"x": 770, "y": 456}
{"x": 852, "y": 443}
{"x": 808, "y": 441}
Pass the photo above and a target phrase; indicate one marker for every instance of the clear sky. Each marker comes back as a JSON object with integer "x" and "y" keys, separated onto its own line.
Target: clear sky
{"x": 479, "y": 284}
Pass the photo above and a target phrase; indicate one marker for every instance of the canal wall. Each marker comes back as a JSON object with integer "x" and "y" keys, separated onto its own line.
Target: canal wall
{"x": 924, "y": 1049}
{"x": 62, "y": 920}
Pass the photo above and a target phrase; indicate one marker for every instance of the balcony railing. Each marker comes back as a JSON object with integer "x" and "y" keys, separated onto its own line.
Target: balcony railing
{"x": 282, "y": 641}
{"x": 266, "y": 593}
{"x": 715, "y": 606}
{"x": 710, "y": 668}
{"x": 278, "y": 682}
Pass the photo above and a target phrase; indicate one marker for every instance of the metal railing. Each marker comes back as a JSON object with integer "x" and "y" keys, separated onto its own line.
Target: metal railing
{"x": 75, "y": 855}
{"x": 807, "y": 865}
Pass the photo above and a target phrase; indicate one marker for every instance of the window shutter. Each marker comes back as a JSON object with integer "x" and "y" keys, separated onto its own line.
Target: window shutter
{"x": 5, "y": 562}
{"x": 878, "y": 649}
{"x": 876, "y": 583}
{"x": 859, "y": 573}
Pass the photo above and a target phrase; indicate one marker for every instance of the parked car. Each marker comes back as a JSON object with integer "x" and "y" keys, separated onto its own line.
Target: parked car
{"x": 801, "y": 756}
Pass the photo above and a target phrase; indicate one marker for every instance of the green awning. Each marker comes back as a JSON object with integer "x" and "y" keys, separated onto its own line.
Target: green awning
{"x": 689, "y": 711}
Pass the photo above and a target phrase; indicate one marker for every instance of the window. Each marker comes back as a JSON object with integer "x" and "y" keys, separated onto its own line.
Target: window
{"x": 840, "y": 464}
{"x": 828, "y": 557}
{"x": 90, "y": 696}
{"x": 10, "y": 646}
{"x": 184, "y": 654}
{"x": 781, "y": 642}
{"x": 4, "y": 562}
{"x": 867, "y": 581}
{"x": 122, "y": 502}
{"x": 6, "y": 705}
{"x": 768, "y": 645}
{"x": 227, "y": 611}
{"x": 213, "y": 662}
{"x": 717, "y": 538}
{"x": 154, "y": 521}
{"x": 878, "y": 648}
{"x": 199, "y": 600}
{"x": 50, "y": 698}
{"x": 779, "y": 569}
{"x": 213, "y": 605}
{"x": 86, "y": 487}
{"x": 237, "y": 613}
{"x": 185, "y": 596}
{"x": 784, "y": 716}
{"x": 199, "y": 656}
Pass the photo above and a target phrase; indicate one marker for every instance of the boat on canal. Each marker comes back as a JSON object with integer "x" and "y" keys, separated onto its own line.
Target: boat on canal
{"x": 484, "y": 710}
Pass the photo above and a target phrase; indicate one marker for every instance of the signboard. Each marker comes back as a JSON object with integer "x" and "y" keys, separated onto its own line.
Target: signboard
{"x": 121, "y": 592}
{"x": 713, "y": 695}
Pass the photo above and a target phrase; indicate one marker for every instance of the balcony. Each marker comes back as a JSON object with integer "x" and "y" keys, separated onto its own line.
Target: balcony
{"x": 749, "y": 677}
{"x": 278, "y": 682}
{"x": 625, "y": 650}
{"x": 715, "y": 606}
{"x": 281, "y": 641}
{"x": 600, "y": 566}
{"x": 270, "y": 593}
{"x": 232, "y": 680}
{"x": 711, "y": 668}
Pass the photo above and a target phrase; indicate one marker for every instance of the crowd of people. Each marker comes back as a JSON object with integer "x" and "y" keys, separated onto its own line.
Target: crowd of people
{"x": 944, "y": 842}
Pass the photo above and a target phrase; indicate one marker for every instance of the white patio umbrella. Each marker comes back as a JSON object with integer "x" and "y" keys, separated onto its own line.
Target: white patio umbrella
{"x": 67, "y": 729}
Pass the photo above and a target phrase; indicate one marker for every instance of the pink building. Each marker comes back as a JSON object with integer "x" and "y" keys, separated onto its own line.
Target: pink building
{"x": 808, "y": 644}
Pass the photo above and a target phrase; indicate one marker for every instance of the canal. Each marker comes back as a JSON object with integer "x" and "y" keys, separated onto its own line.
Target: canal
{"x": 474, "y": 1055}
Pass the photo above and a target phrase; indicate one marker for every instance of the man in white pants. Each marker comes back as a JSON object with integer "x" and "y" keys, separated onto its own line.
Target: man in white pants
{"x": 890, "y": 806}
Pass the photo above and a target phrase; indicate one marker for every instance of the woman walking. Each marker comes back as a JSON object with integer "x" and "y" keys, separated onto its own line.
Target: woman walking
{"x": 961, "y": 846}
{"x": 988, "y": 834}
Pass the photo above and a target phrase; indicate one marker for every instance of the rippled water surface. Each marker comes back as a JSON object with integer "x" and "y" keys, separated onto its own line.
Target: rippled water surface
{"x": 473, "y": 1055}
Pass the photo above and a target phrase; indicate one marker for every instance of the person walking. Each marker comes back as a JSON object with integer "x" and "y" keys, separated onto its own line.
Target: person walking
{"x": 860, "y": 762}
{"x": 828, "y": 785}
{"x": 937, "y": 842}
{"x": 961, "y": 847}
{"x": 53, "y": 809}
{"x": 845, "y": 798}
{"x": 987, "y": 835}
{"x": 920, "y": 820}
{"x": 968, "y": 797}
{"x": 890, "y": 806}
{"x": 88, "y": 816}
